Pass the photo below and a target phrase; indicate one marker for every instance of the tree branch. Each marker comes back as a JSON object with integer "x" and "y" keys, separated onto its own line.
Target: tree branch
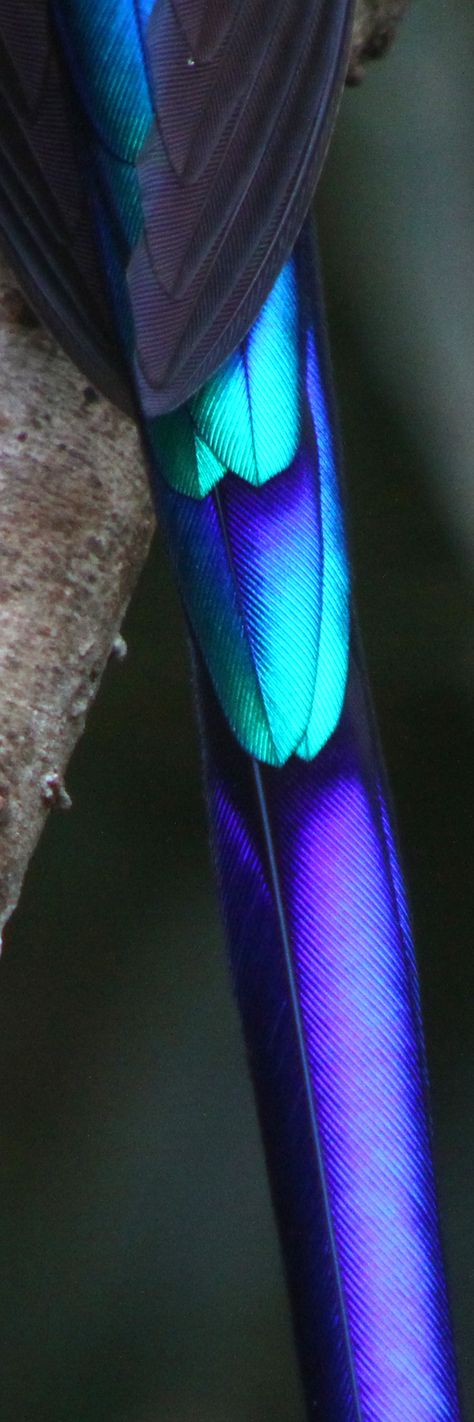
{"x": 375, "y": 27}
{"x": 75, "y": 527}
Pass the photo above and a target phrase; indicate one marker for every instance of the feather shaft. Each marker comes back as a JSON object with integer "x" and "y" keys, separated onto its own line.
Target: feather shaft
{"x": 323, "y": 969}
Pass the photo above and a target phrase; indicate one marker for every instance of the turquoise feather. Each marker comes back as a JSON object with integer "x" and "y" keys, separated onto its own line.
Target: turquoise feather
{"x": 249, "y": 413}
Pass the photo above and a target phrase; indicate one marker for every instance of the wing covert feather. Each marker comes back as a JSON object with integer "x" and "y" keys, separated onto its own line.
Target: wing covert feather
{"x": 224, "y": 114}
{"x": 243, "y": 120}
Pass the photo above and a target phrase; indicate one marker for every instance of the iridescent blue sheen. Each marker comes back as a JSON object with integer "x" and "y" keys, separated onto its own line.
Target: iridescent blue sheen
{"x": 222, "y": 112}
{"x": 318, "y": 936}
{"x": 103, "y": 39}
{"x": 265, "y": 581}
{"x": 334, "y": 621}
{"x": 107, "y": 54}
{"x": 247, "y": 562}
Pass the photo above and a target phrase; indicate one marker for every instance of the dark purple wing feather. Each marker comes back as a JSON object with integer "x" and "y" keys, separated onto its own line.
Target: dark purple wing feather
{"x": 244, "y": 100}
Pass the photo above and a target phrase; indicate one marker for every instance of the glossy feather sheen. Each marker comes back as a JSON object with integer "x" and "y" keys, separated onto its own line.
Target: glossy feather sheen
{"x": 247, "y": 564}
{"x": 250, "y": 412}
{"x": 222, "y": 115}
{"x": 324, "y": 972}
{"x": 334, "y": 630}
{"x": 256, "y": 530}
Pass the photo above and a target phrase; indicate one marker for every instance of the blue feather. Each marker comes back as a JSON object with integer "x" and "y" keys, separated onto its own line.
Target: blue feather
{"x": 323, "y": 967}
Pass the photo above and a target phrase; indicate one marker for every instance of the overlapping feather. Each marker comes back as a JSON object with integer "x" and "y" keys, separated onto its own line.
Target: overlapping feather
{"x": 176, "y": 95}
{"x": 276, "y": 561}
{"x": 256, "y": 530}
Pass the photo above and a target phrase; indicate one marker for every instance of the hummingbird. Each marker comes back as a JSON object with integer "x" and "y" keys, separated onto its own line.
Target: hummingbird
{"x": 158, "y": 160}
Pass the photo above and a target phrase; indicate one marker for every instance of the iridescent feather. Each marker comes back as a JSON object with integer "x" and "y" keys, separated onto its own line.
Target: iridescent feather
{"x": 324, "y": 972}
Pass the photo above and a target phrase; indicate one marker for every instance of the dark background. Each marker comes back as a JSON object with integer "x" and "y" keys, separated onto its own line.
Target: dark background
{"x": 140, "y": 1275}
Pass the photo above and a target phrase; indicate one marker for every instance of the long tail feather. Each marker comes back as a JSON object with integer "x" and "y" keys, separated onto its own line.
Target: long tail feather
{"x": 324, "y": 972}
{"x": 316, "y": 921}
{"x": 206, "y": 128}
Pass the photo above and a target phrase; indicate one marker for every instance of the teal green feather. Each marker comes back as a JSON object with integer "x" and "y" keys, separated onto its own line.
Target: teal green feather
{"x": 122, "y": 183}
{"x": 186, "y": 462}
{"x": 249, "y": 413}
{"x": 109, "y": 64}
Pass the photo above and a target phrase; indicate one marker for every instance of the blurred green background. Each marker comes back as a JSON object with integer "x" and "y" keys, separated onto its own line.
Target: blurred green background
{"x": 141, "y": 1280}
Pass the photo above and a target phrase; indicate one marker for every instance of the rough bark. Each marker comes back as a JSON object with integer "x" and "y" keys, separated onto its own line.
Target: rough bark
{"x": 75, "y": 527}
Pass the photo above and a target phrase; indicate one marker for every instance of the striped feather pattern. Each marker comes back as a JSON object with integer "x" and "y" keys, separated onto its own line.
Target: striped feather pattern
{"x": 324, "y": 972}
{"x": 247, "y": 565}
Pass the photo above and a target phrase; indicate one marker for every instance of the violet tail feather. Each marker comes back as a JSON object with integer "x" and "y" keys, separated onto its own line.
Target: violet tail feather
{"x": 324, "y": 973}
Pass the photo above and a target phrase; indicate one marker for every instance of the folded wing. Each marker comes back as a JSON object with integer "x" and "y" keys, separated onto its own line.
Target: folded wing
{"x": 210, "y": 122}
